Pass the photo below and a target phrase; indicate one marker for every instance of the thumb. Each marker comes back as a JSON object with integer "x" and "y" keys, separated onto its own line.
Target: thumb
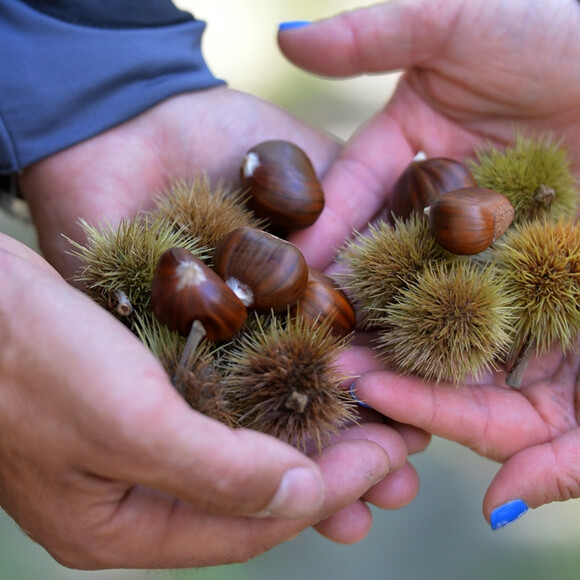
{"x": 379, "y": 38}
{"x": 534, "y": 477}
{"x": 208, "y": 465}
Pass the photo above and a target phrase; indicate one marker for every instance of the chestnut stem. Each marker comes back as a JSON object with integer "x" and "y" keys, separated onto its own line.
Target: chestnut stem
{"x": 196, "y": 335}
{"x": 520, "y": 363}
{"x": 123, "y": 304}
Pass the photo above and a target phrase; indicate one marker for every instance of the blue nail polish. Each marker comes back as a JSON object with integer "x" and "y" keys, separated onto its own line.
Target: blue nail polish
{"x": 507, "y": 513}
{"x": 293, "y": 25}
{"x": 353, "y": 395}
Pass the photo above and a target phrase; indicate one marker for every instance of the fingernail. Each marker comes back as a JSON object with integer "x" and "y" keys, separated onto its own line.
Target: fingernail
{"x": 293, "y": 25}
{"x": 300, "y": 493}
{"x": 353, "y": 395}
{"x": 507, "y": 513}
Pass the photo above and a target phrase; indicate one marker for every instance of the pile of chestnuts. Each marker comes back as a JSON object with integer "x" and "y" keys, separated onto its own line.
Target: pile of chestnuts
{"x": 208, "y": 281}
{"x": 478, "y": 269}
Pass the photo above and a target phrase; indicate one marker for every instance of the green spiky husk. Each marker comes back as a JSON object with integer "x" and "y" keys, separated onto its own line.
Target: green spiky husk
{"x": 282, "y": 379}
{"x": 208, "y": 213}
{"x": 539, "y": 264}
{"x": 533, "y": 173}
{"x": 379, "y": 264}
{"x": 123, "y": 258}
{"x": 451, "y": 323}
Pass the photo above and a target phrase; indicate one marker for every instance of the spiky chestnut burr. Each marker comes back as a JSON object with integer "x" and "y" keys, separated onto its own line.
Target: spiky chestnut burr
{"x": 451, "y": 323}
{"x": 200, "y": 383}
{"x": 379, "y": 264}
{"x": 534, "y": 173}
{"x": 209, "y": 212}
{"x": 283, "y": 379}
{"x": 117, "y": 262}
{"x": 539, "y": 265}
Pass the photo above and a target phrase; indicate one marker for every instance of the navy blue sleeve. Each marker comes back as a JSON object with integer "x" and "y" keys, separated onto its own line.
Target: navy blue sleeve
{"x": 70, "y": 70}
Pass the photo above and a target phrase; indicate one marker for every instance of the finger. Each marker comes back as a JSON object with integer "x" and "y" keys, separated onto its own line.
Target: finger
{"x": 495, "y": 422}
{"x": 397, "y": 490}
{"x": 386, "y": 437}
{"x": 151, "y": 530}
{"x": 209, "y": 465}
{"x": 356, "y": 187}
{"x": 379, "y": 38}
{"x": 534, "y": 477}
{"x": 348, "y": 526}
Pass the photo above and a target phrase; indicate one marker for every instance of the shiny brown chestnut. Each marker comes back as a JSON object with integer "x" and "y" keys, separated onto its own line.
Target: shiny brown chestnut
{"x": 185, "y": 290}
{"x": 324, "y": 301}
{"x": 265, "y": 271}
{"x": 283, "y": 186}
{"x": 424, "y": 180}
{"x": 468, "y": 220}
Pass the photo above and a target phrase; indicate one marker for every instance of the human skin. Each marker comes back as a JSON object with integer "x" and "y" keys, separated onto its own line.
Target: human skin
{"x": 102, "y": 462}
{"x": 472, "y": 72}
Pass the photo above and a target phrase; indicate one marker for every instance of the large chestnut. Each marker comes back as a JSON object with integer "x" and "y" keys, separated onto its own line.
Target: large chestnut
{"x": 468, "y": 220}
{"x": 426, "y": 179}
{"x": 265, "y": 271}
{"x": 185, "y": 290}
{"x": 324, "y": 302}
{"x": 283, "y": 186}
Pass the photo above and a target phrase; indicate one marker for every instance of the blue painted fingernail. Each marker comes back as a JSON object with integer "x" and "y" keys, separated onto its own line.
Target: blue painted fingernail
{"x": 293, "y": 25}
{"x": 353, "y": 395}
{"x": 507, "y": 513}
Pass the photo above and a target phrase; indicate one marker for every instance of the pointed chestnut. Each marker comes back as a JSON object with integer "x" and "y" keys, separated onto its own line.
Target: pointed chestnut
{"x": 283, "y": 185}
{"x": 323, "y": 301}
{"x": 185, "y": 290}
{"x": 265, "y": 271}
{"x": 424, "y": 180}
{"x": 468, "y": 220}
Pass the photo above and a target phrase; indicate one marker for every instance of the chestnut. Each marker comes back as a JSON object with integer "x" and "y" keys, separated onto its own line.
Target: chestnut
{"x": 265, "y": 271}
{"x": 425, "y": 179}
{"x": 282, "y": 184}
{"x": 323, "y": 301}
{"x": 468, "y": 220}
{"x": 184, "y": 290}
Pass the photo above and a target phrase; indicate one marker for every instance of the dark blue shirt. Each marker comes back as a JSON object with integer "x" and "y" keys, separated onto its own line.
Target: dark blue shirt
{"x": 70, "y": 69}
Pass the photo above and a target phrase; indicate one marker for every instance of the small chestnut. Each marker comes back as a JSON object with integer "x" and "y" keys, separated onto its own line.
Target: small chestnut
{"x": 468, "y": 220}
{"x": 265, "y": 271}
{"x": 282, "y": 184}
{"x": 324, "y": 300}
{"x": 185, "y": 290}
{"x": 424, "y": 180}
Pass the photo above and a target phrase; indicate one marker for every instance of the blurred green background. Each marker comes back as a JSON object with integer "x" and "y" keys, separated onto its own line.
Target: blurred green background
{"x": 442, "y": 535}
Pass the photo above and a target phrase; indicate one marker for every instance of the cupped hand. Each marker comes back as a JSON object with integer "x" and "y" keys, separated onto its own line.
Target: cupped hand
{"x": 116, "y": 174}
{"x": 533, "y": 431}
{"x": 147, "y": 462}
{"x": 103, "y": 464}
{"x": 473, "y": 70}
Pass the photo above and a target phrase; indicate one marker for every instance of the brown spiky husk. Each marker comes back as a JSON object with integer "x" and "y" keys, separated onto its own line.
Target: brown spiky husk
{"x": 539, "y": 264}
{"x": 282, "y": 379}
{"x": 200, "y": 383}
{"x": 201, "y": 210}
{"x": 451, "y": 323}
